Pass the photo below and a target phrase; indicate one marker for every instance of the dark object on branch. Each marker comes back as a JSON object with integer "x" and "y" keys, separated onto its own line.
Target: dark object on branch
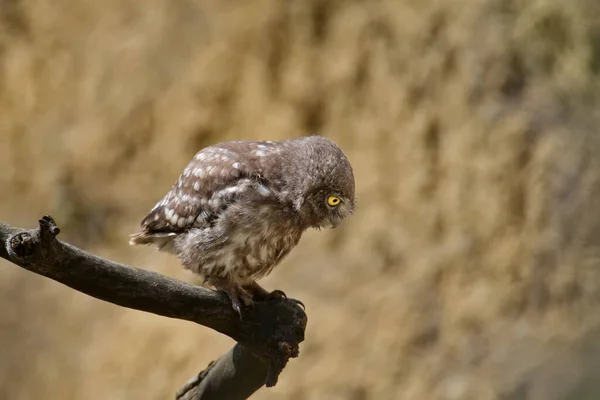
{"x": 267, "y": 337}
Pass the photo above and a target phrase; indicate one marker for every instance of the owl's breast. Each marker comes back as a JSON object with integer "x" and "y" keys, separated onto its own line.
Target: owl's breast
{"x": 245, "y": 243}
{"x": 256, "y": 251}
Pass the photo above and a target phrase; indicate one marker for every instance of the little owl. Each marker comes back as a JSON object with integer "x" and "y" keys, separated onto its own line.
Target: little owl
{"x": 239, "y": 207}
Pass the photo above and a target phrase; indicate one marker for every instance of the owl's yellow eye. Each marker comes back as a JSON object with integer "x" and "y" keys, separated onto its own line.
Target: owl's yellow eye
{"x": 333, "y": 201}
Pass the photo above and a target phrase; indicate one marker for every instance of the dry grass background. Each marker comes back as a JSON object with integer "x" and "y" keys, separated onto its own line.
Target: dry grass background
{"x": 471, "y": 268}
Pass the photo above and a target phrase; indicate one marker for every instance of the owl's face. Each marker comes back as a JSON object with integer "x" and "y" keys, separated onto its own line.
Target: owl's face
{"x": 327, "y": 207}
{"x": 327, "y": 188}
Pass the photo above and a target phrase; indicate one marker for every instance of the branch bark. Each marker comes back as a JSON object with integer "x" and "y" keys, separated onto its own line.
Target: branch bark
{"x": 237, "y": 366}
{"x": 267, "y": 336}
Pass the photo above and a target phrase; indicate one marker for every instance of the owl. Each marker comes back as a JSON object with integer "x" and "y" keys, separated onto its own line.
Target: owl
{"x": 240, "y": 207}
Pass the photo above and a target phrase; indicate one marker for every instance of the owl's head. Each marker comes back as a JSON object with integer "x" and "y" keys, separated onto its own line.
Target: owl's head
{"x": 323, "y": 182}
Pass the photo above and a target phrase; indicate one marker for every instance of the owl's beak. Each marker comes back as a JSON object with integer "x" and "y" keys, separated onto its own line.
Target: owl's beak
{"x": 334, "y": 222}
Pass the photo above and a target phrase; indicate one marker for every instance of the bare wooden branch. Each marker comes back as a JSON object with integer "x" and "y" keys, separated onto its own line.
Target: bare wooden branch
{"x": 267, "y": 336}
{"x": 238, "y": 365}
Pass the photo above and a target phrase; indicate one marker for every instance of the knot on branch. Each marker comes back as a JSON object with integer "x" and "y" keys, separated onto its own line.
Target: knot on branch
{"x": 284, "y": 331}
{"x": 26, "y": 245}
{"x": 276, "y": 328}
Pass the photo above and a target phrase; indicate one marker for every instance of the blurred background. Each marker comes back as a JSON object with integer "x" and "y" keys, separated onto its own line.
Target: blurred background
{"x": 471, "y": 269}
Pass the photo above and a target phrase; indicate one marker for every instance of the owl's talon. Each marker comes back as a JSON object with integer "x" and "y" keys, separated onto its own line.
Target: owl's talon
{"x": 237, "y": 307}
{"x": 276, "y": 295}
{"x": 239, "y": 298}
{"x": 298, "y": 302}
{"x": 280, "y": 295}
{"x": 239, "y": 304}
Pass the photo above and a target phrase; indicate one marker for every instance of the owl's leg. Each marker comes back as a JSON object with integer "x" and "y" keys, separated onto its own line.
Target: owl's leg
{"x": 236, "y": 293}
{"x": 259, "y": 293}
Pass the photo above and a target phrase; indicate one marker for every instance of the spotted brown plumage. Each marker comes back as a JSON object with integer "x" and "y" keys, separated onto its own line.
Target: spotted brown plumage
{"x": 240, "y": 207}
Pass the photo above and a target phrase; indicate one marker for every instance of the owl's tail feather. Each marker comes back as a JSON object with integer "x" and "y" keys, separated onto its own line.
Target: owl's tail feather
{"x": 159, "y": 239}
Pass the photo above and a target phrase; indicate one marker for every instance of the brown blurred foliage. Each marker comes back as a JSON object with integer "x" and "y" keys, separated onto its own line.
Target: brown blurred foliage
{"x": 470, "y": 270}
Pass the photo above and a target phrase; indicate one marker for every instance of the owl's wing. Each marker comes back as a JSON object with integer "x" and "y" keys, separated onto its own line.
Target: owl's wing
{"x": 211, "y": 181}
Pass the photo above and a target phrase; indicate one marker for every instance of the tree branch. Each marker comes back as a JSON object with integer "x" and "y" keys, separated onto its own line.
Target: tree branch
{"x": 267, "y": 336}
{"x": 238, "y": 365}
